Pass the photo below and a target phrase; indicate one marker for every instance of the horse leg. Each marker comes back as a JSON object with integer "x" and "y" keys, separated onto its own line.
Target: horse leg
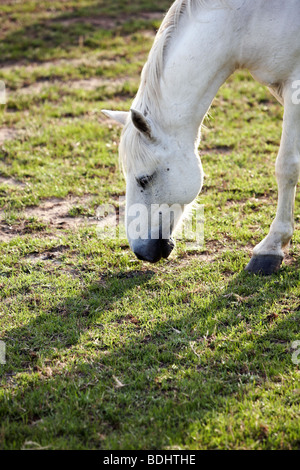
{"x": 268, "y": 255}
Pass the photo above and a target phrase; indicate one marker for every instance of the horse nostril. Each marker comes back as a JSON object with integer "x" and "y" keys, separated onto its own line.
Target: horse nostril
{"x": 167, "y": 247}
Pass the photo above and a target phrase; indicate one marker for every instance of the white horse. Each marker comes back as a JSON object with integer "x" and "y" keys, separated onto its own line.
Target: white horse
{"x": 198, "y": 46}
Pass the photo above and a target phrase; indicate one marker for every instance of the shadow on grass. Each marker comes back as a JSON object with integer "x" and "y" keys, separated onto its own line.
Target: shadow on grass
{"x": 83, "y": 27}
{"x": 128, "y": 393}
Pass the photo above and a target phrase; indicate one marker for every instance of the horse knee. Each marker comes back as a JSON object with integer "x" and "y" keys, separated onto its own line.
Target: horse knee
{"x": 288, "y": 170}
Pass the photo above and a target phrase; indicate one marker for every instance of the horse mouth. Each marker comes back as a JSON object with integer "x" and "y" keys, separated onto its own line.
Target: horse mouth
{"x": 153, "y": 250}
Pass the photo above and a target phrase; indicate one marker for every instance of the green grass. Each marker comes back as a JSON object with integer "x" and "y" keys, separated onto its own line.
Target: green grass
{"x": 104, "y": 351}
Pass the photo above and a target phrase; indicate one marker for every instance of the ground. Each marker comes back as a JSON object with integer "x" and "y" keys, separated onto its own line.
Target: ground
{"x": 104, "y": 351}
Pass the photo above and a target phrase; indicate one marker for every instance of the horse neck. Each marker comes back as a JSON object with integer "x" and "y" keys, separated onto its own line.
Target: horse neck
{"x": 198, "y": 60}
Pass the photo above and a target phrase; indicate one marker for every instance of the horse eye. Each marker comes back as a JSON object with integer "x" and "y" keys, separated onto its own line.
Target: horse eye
{"x": 144, "y": 181}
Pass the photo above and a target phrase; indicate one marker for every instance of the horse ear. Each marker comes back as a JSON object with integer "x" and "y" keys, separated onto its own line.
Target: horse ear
{"x": 141, "y": 123}
{"x": 119, "y": 116}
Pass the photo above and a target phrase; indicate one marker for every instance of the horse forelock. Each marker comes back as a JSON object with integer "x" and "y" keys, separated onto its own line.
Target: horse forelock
{"x": 135, "y": 152}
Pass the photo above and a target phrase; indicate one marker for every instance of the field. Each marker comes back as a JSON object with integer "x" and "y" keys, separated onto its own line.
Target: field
{"x": 104, "y": 351}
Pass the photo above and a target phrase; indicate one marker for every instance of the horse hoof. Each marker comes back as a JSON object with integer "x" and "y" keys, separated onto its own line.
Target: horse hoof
{"x": 264, "y": 264}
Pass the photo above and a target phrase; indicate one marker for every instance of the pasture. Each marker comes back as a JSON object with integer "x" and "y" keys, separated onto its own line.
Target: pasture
{"x": 103, "y": 351}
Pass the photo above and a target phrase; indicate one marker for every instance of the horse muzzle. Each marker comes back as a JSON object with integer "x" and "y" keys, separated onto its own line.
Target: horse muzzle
{"x": 153, "y": 250}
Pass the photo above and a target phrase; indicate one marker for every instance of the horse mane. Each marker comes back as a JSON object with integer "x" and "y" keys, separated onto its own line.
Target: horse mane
{"x": 148, "y": 95}
{"x": 150, "y": 87}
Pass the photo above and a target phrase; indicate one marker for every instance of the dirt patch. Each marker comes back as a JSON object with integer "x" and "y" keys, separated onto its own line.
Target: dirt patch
{"x": 101, "y": 22}
{"x": 36, "y": 258}
{"x": 290, "y": 258}
{"x": 7, "y": 133}
{"x": 61, "y": 214}
{"x": 11, "y": 182}
{"x": 53, "y": 258}
{"x": 8, "y": 232}
{"x": 151, "y": 15}
{"x": 33, "y": 89}
{"x": 89, "y": 60}
{"x": 53, "y": 255}
{"x": 94, "y": 83}
{"x": 5, "y": 236}
{"x": 91, "y": 84}
{"x": 55, "y": 212}
{"x": 220, "y": 150}
{"x": 108, "y": 22}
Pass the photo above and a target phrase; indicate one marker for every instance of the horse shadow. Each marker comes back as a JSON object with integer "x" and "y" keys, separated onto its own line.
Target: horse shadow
{"x": 133, "y": 374}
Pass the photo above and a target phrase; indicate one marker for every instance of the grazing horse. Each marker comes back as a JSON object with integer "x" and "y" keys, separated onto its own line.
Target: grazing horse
{"x": 199, "y": 45}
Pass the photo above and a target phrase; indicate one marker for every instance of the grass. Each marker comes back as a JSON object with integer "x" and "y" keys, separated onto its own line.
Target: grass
{"x": 102, "y": 350}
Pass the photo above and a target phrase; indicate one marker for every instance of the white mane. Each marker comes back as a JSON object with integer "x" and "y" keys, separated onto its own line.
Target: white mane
{"x": 150, "y": 87}
{"x": 132, "y": 144}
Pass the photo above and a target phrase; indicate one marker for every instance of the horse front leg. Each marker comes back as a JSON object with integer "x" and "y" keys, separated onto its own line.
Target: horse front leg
{"x": 268, "y": 254}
